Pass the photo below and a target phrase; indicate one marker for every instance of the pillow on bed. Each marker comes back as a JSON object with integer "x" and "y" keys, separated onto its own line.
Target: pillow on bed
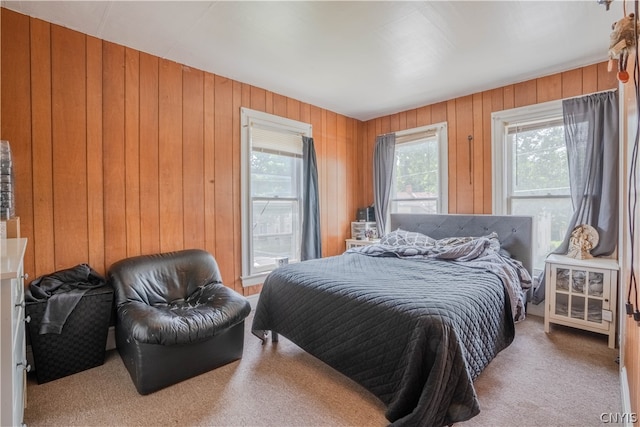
{"x": 406, "y": 238}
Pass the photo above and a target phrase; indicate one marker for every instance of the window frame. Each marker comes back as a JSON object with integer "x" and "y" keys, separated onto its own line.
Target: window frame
{"x": 440, "y": 130}
{"x": 501, "y": 150}
{"x": 248, "y": 117}
{"x": 500, "y": 121}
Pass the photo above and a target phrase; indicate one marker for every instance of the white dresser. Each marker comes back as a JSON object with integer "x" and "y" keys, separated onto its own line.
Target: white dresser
{"x": 13, "y": 361}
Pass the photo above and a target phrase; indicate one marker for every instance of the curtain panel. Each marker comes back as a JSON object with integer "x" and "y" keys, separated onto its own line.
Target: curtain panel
{"x": 311, "y": 240}
{"x": 593, "y": 144}
{"x": 592, "y": 139}
{"x": 383, "y": 159}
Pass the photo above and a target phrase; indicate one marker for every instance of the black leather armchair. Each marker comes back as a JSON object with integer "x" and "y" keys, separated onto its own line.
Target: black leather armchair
{"x": 175, "y": 318}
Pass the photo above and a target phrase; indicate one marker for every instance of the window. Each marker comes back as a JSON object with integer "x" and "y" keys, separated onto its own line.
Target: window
{"x": 420, "y": 171}
{"x": 531, "y": 173}
{"x": 271, "y": 192}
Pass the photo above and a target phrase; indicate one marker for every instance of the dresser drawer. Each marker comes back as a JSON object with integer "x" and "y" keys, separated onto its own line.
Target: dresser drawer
{"x": 18, "y": 290}
{"x": 13, "y": 368}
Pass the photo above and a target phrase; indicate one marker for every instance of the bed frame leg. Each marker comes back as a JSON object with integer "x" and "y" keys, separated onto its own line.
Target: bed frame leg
{"x": 274, "y": 336}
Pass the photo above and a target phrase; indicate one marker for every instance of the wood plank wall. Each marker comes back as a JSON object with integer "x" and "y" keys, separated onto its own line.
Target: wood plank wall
{"x": 471, "y": 192}
{"x": 120, "y": 153}
{"x": 631, "y": 337}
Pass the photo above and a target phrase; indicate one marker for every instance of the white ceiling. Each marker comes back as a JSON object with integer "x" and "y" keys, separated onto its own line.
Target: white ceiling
{"x": 361, "y": 59}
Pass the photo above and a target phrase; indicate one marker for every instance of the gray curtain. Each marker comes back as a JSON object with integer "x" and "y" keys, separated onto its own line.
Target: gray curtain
{"x": 383, "y": 159}
{"x": 311, "y": 240}
{"x": 592, "y": 136}
{"x": 592, "y": 139}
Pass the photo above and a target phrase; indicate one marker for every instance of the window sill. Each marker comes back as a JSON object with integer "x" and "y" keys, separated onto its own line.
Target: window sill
{"x": 256, "y": 279}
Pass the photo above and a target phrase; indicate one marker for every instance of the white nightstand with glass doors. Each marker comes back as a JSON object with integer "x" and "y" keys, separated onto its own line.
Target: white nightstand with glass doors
{"x": 582, "y": 293}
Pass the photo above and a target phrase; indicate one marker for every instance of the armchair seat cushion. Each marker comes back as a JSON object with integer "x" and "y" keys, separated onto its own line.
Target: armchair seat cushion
{"x": 210, "y": 310}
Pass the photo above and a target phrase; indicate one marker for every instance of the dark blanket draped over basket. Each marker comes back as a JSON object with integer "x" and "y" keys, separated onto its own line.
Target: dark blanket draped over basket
{"x": 416, "y": 333}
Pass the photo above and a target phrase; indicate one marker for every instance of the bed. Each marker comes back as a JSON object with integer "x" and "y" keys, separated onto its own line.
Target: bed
{"x": 415, "y": 328}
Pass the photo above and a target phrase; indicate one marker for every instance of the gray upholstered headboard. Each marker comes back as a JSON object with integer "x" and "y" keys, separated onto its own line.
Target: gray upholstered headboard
{"x": 515, "y": 232}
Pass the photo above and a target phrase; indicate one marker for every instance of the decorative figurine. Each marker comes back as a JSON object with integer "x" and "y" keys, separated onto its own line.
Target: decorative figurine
{"x": 583, "y": 238}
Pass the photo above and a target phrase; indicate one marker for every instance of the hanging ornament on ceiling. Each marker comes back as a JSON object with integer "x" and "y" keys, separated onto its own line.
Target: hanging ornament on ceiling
{"x": 623, "y": 41}
{"x": 606, "y": 3}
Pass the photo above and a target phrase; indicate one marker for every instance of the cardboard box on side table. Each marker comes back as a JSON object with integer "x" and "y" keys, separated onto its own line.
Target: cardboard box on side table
{"x": 12, "y": 227}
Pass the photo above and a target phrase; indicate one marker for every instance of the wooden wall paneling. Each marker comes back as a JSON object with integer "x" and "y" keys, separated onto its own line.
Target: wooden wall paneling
{"x": 359, "y": 151}
{"x": 478, "y": 160}
{"x": 224, "y": 176}
{"x": 364, "y": 160}
{"x": 549, "y": 88}
{"x": 402, "y": 120}
{"x": 344, "y": 214}
{"x": 209, "y": 163}
{"x": 386, "y": 125}
{"x": 258, "y": 99}
{"x": 358, "y": 141}
{"x": 149, "y": 158}
{"x": 465, "y": 165}
{"x": 608, "y": 79}
{"x": 305, "y": 114}
{"x": 268, "y": 102}
{"x": 497, "y": 100}
{"x": 132, "y": 149}
{"x": 590, "y": 79}
{"x": 452, "y": 149}
{"x": 361, "y": 142}
{"x": 508, "y": 97}
{"x": 237, "y": 202}
{"x": 489, "y": 99}
{"x": 95, "y": 167}
{"x": 323, "y": 182}
{"x": 170, "y": 156}
{"x": 525, "y": 93}
{"x": 423, "y": 116}
{"x": 68, "y": 89}
{"x": 572, "y": 83}
{"x": 293, "y": 109}
{"x": 193, "y": 157}
{"x": 279, "y": 105}
{"x": 42, "y": 157}
{"x": 16, "y": 113}
{"x": 113, "y": 83}
{"x": 439, "y": 112}
{"x": 333, "y": 183}
{"x": 394, "y": 123}
{"x": 351, "y": 169}
{"x": 379, "y": 129}
{"x": 412, "y": 119}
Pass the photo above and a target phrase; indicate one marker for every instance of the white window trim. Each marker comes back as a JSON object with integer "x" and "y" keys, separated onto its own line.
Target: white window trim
{"x": 499, "y": 121}
{"x": 443, "y": 160}
{"x": 248, "y": 116}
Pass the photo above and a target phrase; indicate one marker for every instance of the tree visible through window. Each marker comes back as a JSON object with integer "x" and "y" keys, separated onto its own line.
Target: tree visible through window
{"x": 276, "y": 178}
{"x": 540, "y": 182}
{"x": 419, "y": 177}
{"x": 534, "y": 172}
{"x": 271, "y": 192}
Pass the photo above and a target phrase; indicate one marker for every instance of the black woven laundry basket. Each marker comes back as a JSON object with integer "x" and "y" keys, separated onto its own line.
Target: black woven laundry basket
{"x": 81, "y": 345}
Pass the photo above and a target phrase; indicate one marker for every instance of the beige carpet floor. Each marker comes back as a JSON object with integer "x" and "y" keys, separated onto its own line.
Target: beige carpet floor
{"x": 566, "y": 378}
